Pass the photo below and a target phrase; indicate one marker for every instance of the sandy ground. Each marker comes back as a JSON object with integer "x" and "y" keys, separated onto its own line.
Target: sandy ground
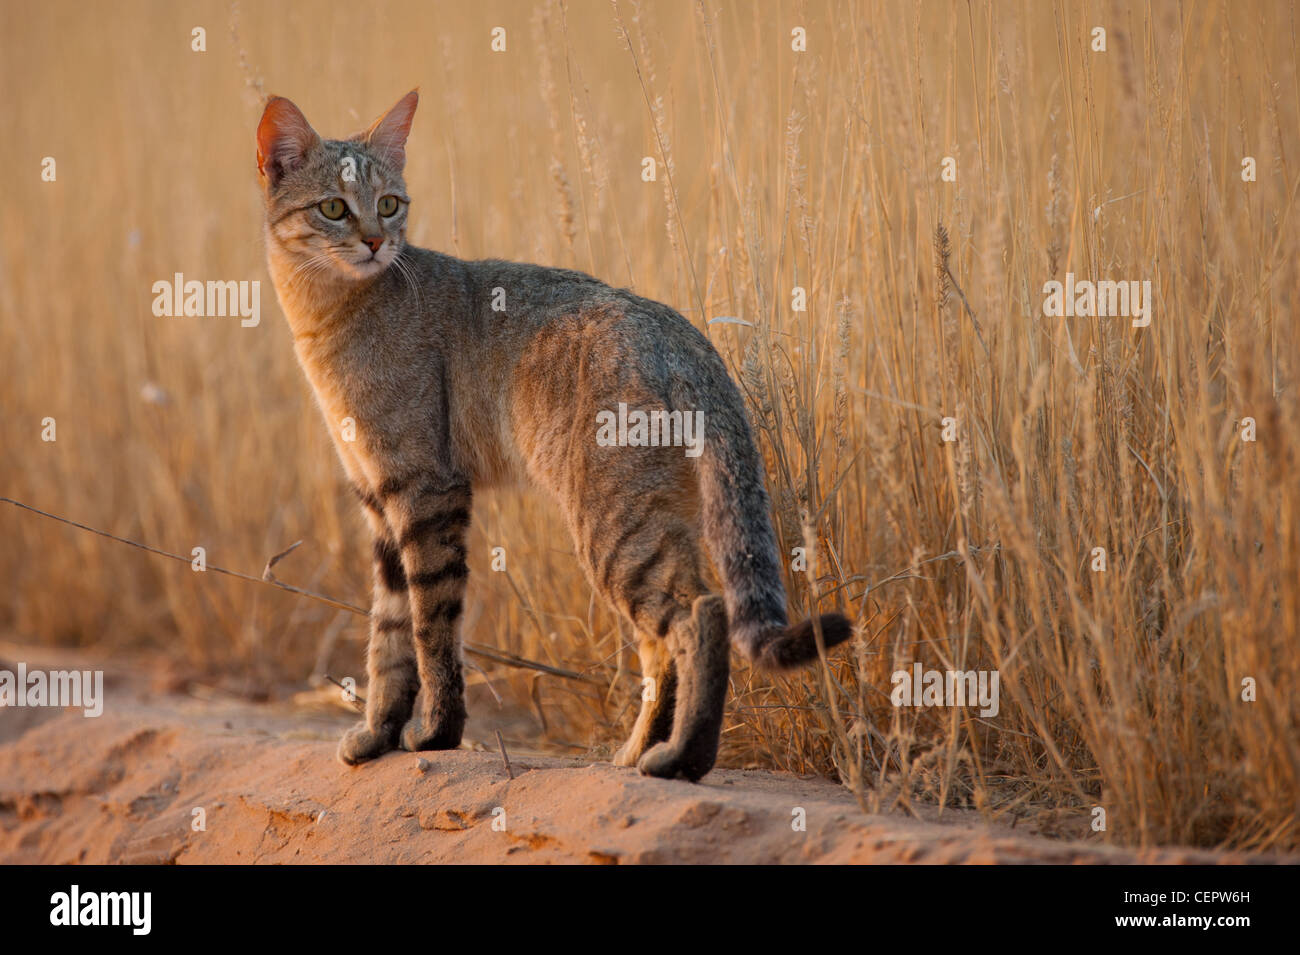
{"x": 124, "y": 788}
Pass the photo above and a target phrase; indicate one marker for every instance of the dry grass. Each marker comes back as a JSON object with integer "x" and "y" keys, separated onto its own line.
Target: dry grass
{"x": 1120, "y": 689}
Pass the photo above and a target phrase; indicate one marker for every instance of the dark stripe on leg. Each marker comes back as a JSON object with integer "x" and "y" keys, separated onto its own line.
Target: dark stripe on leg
{"x": 636, "y": 579}
{"x": 389, "y": 561}
{"x": 611, "y": 562}
{"x": 368, "y": 500}
{"x": 392, "y": 486}
{"x": 457, "y": 519}
{"x": 448, "y": 610}
{"x": 669, "y": 615}
{"x": 456, "y": 570}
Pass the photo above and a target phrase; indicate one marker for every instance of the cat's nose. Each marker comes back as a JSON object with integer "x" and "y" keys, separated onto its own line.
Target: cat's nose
{"x": 374, "y": 242}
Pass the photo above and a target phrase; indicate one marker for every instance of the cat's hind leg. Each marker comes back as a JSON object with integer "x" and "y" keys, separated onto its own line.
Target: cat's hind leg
{"x": 699, "y": 648}
{"x": 654, "y": 724}
{"x": 643, "y": 553}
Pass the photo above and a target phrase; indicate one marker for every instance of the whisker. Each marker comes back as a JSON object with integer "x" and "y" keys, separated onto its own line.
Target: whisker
{"x": 409, "y": 276}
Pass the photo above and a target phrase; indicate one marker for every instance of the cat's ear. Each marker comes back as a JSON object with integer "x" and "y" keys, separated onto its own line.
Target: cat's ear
{"x": 387, "y": 137}
{"x": 284, "y": 138}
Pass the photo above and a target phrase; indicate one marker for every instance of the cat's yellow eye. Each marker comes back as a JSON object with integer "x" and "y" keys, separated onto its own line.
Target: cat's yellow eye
{"x": 387, "y": 205}
{"x": 333, "y": 208}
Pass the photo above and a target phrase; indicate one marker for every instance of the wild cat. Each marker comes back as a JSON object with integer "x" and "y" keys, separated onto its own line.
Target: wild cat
{"x": 447, "y": 393}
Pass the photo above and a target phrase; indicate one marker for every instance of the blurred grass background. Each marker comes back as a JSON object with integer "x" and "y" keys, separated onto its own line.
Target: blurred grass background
{"x": 1120, "y": 689}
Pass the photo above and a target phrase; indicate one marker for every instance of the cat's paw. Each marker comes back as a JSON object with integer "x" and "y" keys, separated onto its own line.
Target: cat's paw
{"x": 437, "y": 731}
{"x": 667, "y": 761}
{"x": 628, "y": 754}
{"x": 360, "y": 744}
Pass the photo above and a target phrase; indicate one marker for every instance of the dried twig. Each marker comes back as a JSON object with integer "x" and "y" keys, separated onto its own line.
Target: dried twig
{"x": 355, "y": 698}
{"x": 487, "y": 653}
{"x": 502, "y": 743}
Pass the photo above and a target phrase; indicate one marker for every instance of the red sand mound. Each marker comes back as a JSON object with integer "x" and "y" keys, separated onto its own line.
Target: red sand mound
{"x": 125, "y": 787}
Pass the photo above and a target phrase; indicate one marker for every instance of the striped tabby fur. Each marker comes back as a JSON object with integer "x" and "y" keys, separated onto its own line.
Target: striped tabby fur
{"x": 448, "y": 395}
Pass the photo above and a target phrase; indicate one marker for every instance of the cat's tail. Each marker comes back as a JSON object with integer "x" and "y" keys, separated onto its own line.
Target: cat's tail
{"x": 740, "y": 539}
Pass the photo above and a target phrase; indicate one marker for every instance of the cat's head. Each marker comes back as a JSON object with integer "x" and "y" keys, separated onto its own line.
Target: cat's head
{"x": 335, "y": 208}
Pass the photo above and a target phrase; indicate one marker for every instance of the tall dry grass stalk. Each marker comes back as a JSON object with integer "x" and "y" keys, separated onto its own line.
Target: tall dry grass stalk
{"x": 1121, "y": 688}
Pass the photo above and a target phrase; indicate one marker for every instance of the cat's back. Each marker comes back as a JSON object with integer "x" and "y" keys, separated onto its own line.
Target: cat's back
{"x": 537, "y": 292}
{"x": 533, "y": 299}
{"x": 499, "y": 298}
{"x": 564, "y": 325}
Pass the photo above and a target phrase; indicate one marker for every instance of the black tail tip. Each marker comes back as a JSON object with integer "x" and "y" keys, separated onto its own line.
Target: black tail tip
{"x": 796, "y": 645}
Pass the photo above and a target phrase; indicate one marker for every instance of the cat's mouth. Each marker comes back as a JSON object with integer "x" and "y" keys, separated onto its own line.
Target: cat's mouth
{"x": 367, "y": 264}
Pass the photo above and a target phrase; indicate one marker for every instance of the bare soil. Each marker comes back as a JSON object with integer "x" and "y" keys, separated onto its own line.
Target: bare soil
{"x": 124, "y": 788}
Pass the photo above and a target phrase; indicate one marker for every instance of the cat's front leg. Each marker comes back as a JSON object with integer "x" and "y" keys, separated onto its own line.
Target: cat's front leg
{"x": 432, "y": 522}
{"x": 390, "y": 659}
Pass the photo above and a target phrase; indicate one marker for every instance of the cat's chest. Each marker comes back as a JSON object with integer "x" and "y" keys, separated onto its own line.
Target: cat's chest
{"x": 375, "y": 395}
{"x": 350, "y": 388}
